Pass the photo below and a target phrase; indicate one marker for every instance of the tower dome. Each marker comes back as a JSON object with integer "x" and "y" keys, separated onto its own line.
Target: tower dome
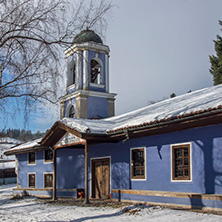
{"x": 87, "y": 36}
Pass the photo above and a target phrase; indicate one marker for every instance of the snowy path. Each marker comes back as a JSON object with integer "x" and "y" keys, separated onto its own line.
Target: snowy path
{"x": 30, "y": 209}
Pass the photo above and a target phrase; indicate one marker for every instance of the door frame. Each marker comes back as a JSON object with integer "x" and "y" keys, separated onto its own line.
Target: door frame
{"x": 91, "y": 168}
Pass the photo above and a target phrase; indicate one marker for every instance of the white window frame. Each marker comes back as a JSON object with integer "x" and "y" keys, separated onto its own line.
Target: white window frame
{"x": 47, "y": 161}
{"x": 44, "y": 173}
{"x": 32, "y": 164}
{"x": 145, "y": 171}
{"x": 171, "y": 162}
{"x": 28, "y": 179}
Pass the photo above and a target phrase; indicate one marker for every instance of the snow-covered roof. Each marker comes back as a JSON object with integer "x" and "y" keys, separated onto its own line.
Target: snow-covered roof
{"x": 25, "y": 146}
{"x": 9, "y": 140}
{"x": 200, "y": 101}
{"x": 7, "y": 165}
{"x": 5, "y": 144}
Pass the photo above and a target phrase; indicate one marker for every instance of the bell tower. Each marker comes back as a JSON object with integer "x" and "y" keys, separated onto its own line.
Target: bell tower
{"x": 87, "y": 79}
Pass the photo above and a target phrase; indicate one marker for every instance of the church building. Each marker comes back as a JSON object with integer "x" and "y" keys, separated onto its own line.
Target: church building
{"x": 168, "y": 153}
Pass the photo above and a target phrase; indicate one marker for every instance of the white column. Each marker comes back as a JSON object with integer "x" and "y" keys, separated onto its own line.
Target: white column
{"x": 107, "y": 72}
{"x": 66, "y": 74}
{"x": 85, "y": 69}
{"x": 79, "y": 70}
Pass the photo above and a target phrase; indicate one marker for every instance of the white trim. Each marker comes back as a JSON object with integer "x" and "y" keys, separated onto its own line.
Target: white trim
{"x": 70, "y": 73}
{"x": 44, "y": 179}
{"x": 136, "y": 148}
{"x": 28, "y": 178}
{"x": 66, "y": 73}
{"x": 83, "y": 98}
{"x": 86, "y": 46}
{"x": 88, "y": 93}
{"x": 31, "y": 164}
{"x": 97, "y": 85}
{"x": 79, "y": 70}
{"x": 85, "y": 69}
{"x": 48, "y": 161}
{"x": 171, "y": 162}
{"x": 107, "y": 72}
{"x": 71, "y": 86}
{"x": 98, "y": 158}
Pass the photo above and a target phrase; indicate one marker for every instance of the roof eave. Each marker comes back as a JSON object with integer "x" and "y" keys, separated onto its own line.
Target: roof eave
{"x": 194, "y": 121}
{"x": 25, "y": 150}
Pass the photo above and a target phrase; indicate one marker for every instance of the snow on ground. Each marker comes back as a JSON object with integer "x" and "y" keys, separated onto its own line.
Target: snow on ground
{"x": 31, "y": 209}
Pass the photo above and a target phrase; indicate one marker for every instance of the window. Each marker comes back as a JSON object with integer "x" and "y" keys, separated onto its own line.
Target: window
{"x": 137, "y": 164}
{"x": 31, "y": 158}
{"x": 32, "y": 180}
{"x": 71, "y": 112}
{"x": 48, "y": 155}
{"x": 7, "y": 173}
{"x": 181, "y": 162}
{"x": 71, "y": 73}
{"x": 96, "y": 75}
{"x": 48, "y": 180}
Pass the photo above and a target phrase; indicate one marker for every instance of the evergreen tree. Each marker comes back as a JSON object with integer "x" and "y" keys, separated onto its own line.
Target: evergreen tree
{"x": 216, "y": 60}
{"x": 172, "y": 95}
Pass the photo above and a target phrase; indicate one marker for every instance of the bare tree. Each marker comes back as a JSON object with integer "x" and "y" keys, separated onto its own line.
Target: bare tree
{"x": 33, "y": 35}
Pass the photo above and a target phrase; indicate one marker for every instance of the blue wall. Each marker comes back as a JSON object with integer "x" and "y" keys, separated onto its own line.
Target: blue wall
{"x": 97, "y": 107}
{"x": 206, "y": 145}
{"x": 70, "y": 168}
{"x": 70, "y": 159}
{"x": 39, "y": 168}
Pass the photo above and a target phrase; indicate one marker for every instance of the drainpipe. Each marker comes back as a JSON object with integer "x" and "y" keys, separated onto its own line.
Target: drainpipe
{"x": 86, "y": 173}
{"x": 54, "y": 174}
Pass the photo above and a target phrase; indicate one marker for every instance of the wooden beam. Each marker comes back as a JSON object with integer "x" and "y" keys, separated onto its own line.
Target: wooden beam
{"x": 86, "y": 173}
{"x": 54, "y": 175}
{"x": 176, "y": 125}
{"x": 156, "y": 193}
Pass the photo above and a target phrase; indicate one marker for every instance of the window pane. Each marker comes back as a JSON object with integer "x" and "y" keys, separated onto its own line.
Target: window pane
{"x": 181, "y": 162}
{"x": 31, "y": 157}
{"x": 32, "y": 180}
{"x": 96, "y": 76}
{"x": 138, "y": 163}
{"x": 186, "y": 172}
{"x": 48, "y": 155}
{"x": 72, "y": 112}
{"x": 186, "y": 162}
{"x": 48, "y": 180}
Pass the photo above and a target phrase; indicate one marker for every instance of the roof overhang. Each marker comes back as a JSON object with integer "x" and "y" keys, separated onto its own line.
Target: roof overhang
{"x": 26, "y": 150}
{"x": 161, "y": 127}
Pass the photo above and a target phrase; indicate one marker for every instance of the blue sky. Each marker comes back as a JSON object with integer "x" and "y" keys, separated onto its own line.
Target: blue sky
{"x": 157, "y": 48}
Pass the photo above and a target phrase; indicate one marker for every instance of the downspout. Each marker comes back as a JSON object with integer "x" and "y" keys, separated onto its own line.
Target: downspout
{"x": 54, "y": 173}
{"x": 86, "y": 173}
{"x": 126, "y": 132}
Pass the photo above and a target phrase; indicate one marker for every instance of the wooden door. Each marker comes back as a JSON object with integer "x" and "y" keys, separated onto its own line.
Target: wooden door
{"x": 101, "y": 178}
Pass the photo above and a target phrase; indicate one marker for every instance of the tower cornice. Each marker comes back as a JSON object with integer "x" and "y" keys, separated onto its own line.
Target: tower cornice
{"x": 86, "y": 46}
{"x": 85, "y": 93}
